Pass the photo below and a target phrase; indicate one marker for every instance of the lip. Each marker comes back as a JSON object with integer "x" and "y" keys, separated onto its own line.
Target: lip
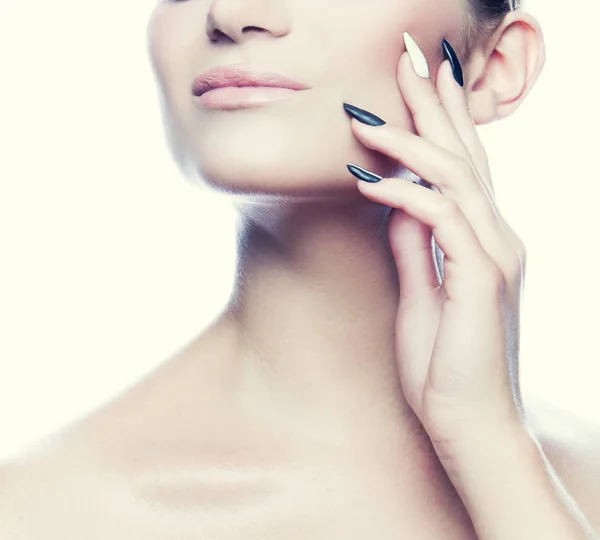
{"x": 236, "y": 75}
{"x": 242, "y": 97}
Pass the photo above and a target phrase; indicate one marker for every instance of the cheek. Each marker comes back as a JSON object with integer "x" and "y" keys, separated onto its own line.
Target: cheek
{"x": 363, "y": 41}
{"x": 363, "y": 36}
{"x": 367, "y": 35}
{"x": 367, "y": 54}
{"x": 155, "y": 36}
{"x": 168, "y": 47}
{"x": 368, "y": 42}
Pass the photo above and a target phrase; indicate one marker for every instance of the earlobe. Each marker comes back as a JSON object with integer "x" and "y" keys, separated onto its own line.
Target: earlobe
{"x": 483, "y": 106}
{"x": 504, "y": 75}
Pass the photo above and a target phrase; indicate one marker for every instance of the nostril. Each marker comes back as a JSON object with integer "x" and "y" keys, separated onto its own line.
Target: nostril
{"x": 216, "y": 35}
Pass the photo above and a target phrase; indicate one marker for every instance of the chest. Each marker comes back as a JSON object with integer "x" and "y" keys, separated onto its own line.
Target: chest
{"x": 306, "y": 502}
{"x": 345, "y": 496}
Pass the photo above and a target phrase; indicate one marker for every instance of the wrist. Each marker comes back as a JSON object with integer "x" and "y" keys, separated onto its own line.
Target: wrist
{"x": 491, "y": 455}
{"x": 499, "y": 440}
{"x": 457, "y": 429}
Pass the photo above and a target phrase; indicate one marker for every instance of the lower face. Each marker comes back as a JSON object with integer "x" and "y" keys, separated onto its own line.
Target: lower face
{"x": 297, "y": 143}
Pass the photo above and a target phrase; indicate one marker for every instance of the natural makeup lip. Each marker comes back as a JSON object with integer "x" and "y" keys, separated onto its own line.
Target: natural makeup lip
{"x": 242, "y": 75}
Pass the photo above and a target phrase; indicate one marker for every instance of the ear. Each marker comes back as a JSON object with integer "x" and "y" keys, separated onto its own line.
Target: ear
{"x": 501, "y": 71}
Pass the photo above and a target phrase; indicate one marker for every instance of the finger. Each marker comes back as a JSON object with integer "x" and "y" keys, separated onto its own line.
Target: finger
{"x": 451, "y": 174}
{"x": 432, "y": 121}
{"x": 468, "y": 268}
{"x": 410, "y": 241}
{"x": 454, "y": 100}
{"x": 429, "y": 116}
{"x": 474, "y": 195}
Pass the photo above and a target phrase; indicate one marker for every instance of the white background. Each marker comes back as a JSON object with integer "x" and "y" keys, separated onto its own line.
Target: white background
{"x": 110, "y": 261}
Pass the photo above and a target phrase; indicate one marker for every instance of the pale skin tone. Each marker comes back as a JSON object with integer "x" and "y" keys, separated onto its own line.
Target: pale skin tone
{"x": 314, "y": 406}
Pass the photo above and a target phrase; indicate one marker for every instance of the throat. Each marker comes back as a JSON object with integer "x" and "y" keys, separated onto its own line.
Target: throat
{"x": 347, "y": 400}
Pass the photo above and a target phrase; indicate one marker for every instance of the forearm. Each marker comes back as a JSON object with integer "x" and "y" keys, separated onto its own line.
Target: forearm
{"x": 510, "y": 490}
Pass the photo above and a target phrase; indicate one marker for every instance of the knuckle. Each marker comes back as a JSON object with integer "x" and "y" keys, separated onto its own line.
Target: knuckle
{"x": 494, "y": 280}
{"x": 430, "y": 101}
{"x": 456, "y": 172}
{"x": 449, "y": 209}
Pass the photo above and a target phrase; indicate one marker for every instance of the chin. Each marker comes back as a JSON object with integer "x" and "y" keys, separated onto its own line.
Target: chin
{"x": 286, "y": 166}
{"x": 275, "y": 177}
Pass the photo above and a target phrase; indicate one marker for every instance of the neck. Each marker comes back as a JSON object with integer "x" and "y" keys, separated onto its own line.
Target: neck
{"x": 315, "y": 306}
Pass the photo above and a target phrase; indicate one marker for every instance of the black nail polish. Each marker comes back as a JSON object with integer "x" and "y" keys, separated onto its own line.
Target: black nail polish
{"x": 363, "y": 174}
{"x": 450, "y": 55}
{"x": 363, "y": 116}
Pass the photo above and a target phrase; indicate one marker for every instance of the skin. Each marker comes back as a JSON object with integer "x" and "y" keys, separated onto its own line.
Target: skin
{"x": 293, "y": 415}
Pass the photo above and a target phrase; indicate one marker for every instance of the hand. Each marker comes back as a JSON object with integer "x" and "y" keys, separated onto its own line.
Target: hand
{"x": 457, "y": 341}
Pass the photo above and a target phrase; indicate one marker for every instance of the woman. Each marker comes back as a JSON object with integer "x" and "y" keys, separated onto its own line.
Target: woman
{"x": 346, "y": 391}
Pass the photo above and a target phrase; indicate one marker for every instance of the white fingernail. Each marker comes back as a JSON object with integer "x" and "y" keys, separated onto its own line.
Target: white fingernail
{"x": 417, "y": 57}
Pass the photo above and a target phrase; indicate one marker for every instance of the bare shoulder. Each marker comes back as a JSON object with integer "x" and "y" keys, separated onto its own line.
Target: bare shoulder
{"x": 19, "y": 484}
{"x": 572, "y": 446}
{"x": 8, "y": 518}
{"x": 37, "y": 488}
{"x": 77, "y": 483}
{"x": 63, "y": 491}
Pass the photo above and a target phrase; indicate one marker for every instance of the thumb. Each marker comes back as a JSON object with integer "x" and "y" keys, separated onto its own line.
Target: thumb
{"x": 411, "y": 245}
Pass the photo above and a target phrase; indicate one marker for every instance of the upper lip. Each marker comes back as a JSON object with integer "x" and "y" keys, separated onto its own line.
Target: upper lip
{"x": 239, "y": 75}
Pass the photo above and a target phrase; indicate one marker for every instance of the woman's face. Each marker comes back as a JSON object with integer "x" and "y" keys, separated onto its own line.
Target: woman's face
{"x": 345, "y": 50}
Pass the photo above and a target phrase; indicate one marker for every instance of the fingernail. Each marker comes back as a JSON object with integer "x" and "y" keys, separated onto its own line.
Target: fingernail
{"x": 450, "y": 54}
{"x": 363, "y": 174}
{"x": 417, "y": 57}
{"x": 363, "y": 116}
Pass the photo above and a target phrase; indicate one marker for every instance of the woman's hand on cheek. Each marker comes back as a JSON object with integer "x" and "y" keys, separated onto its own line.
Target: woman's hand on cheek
{"x": 456, "y": 341}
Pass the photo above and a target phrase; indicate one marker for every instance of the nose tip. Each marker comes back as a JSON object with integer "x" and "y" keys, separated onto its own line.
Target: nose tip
{"x": 239, "y": 22}
{"x": 216, "y": 31}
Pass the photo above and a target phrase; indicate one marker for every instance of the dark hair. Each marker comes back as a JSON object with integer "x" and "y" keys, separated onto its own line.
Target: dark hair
{"x": 483, "y": 16}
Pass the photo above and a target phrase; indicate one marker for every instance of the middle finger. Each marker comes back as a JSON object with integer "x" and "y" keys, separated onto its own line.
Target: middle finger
{"x": 431, "y": 119}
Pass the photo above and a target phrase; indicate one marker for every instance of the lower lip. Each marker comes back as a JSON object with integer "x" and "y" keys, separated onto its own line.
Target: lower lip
{"x": 242, "y": 97}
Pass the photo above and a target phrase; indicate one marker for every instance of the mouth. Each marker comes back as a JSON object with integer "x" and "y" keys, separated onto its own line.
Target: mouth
{"x": 237, "y": 86}
{"x": 238, "y": 75}
{"x": 242, "y": 97}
